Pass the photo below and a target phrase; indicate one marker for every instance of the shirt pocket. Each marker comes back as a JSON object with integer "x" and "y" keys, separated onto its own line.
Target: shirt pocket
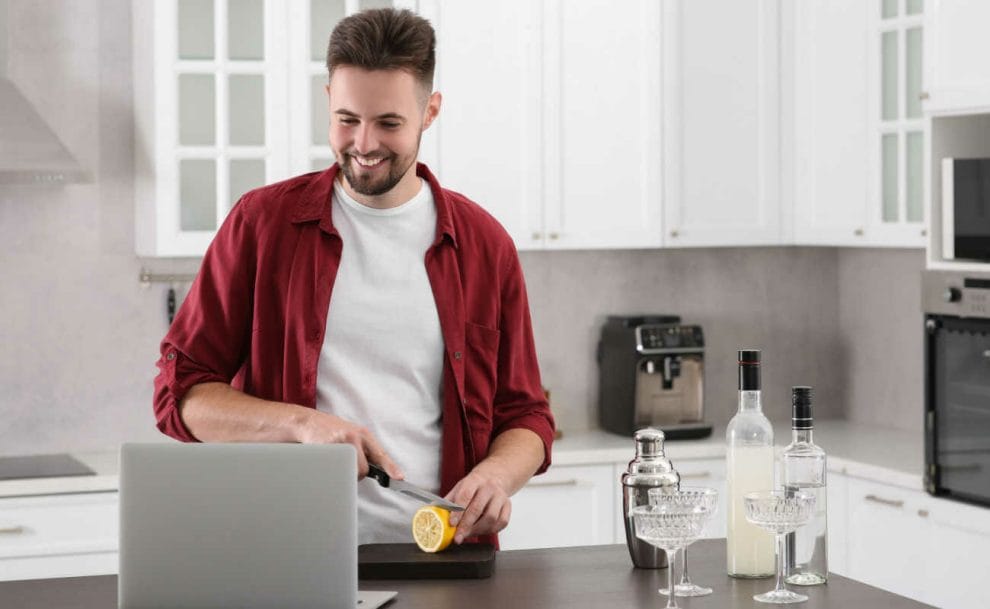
{"x": 480, "y": 380}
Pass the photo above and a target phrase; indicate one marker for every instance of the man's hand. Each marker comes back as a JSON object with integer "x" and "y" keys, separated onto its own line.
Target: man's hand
{"x": 487, "y": 505}
{"x": 324, "y": 428}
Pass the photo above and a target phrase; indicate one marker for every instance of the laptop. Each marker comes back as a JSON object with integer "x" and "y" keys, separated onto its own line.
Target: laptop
{"x": 240, "y": 525}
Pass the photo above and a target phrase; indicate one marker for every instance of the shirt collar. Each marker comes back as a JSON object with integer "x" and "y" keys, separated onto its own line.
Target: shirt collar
{"x": 314, "y": 203}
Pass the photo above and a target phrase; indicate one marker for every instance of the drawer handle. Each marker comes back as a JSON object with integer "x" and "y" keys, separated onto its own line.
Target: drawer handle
{"x": 571, "y": 482}
{"x": 14, "y": 530}
{"x": 697, "y": 475}
{"x": 891, "y": 502}
{"x": 923, "y": 513}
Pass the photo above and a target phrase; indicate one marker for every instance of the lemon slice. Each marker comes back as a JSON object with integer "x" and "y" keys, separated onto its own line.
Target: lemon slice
{"x": 431, "y": 528}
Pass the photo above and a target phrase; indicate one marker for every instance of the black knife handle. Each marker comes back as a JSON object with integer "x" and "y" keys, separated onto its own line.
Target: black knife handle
{"x": 378, "y": 474}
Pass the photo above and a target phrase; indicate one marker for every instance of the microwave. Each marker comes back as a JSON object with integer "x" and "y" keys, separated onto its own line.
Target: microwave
{"x": 966, "y": 209}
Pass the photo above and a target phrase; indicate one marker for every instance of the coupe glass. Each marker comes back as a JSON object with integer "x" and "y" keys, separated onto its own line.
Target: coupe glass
{"x": 779, "y": 512}
{"x": 685, "y": 587}
{"x": 673, "y": 520}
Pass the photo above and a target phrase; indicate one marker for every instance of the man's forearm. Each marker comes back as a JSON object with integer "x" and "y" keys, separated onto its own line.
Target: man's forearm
{"x": 216, "y": 412}
{"x": 513, "y": 458}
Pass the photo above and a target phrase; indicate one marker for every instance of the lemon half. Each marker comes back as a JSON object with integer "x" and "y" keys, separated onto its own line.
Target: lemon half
{"x": 431, "y": 528}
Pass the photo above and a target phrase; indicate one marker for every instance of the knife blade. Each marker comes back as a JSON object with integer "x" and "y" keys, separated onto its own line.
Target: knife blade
{"x": 410, "y": 490}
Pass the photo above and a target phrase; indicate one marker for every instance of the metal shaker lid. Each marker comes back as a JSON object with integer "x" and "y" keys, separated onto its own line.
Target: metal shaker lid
{"x": 650, "y": 468}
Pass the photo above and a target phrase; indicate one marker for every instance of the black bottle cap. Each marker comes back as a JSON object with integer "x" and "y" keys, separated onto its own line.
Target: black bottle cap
{"x": 749, "y": 370}
{"x": 801, "y": 417}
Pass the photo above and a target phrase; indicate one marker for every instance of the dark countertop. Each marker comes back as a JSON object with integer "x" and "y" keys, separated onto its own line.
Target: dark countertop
{"x": 572, "y": 578}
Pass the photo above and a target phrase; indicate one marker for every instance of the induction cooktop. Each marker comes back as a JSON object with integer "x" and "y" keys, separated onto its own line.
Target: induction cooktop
{"x": 42, "y": 466}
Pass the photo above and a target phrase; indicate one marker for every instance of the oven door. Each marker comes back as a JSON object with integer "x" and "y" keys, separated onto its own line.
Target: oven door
{"x": 957, "y": 403}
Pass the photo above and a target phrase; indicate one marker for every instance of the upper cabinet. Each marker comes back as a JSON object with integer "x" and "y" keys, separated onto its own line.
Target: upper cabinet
{"x": 859, "y": 136}
{"x": 228, "y": 95}
{"x": 552, "y": 117}
{"x": 956, "y": 49}
{"x": 723, "y": 141}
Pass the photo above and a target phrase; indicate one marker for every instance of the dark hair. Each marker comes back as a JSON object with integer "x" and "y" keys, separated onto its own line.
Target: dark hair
{"x": 385, "y": 39}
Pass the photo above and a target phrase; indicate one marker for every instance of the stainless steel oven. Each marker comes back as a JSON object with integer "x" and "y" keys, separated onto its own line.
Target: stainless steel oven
{"x": 957, "y": 385}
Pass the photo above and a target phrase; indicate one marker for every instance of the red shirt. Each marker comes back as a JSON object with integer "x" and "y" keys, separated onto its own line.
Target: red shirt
{"x": 256, "y": 314}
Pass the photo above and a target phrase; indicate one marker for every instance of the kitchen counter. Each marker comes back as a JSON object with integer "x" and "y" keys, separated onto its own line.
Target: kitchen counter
{"x": 893, "y": 456}
{"x": 592, "y": 577}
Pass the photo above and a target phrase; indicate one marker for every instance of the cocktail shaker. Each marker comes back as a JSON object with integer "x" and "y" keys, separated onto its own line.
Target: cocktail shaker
{"x": 650, "y": 469}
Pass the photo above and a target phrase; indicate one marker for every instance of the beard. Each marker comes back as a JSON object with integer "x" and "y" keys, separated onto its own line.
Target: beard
{"x": 369, "y": 183}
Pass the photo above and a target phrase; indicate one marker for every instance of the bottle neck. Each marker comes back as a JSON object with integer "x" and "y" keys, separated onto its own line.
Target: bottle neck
{"x": 749, "y": 401}
{"x": 801, "y": 436}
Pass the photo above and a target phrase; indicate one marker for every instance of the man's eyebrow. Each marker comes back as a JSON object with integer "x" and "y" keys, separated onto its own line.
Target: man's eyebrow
{"x": 387, "y": 115}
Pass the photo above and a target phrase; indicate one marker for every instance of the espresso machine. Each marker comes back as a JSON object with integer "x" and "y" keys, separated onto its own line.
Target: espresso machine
{"x": 652, "y": 374}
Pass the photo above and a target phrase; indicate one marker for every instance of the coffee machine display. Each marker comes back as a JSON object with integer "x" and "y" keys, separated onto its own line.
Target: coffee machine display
{"x": 652, "y": 374}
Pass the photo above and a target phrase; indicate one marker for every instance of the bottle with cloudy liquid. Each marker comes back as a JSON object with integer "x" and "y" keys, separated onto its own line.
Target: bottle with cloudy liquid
{"x": 803, "y": 469}
{"x": 749, "y": 468}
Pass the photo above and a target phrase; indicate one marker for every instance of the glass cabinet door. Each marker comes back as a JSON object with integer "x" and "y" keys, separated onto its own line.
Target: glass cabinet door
{"x": 900, "y": 129}
{"x": 229, "y": 73}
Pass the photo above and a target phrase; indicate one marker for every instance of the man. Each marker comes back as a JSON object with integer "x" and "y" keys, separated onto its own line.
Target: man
{"x": 367, "y": 305}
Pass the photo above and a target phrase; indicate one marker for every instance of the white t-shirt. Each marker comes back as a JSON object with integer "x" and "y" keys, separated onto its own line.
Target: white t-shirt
{"x": 382, "y": 357}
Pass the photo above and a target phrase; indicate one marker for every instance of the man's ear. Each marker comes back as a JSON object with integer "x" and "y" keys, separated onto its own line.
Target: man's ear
{"x": 432, "y": 109}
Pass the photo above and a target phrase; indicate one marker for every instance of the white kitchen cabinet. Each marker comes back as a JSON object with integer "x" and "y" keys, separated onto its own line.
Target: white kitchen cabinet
{"x": 569, "y": 505}
{"x": 956, "y": 48}
{"x": 723, "y": 141}
{"x": 859, "y": 136}
{"x": 837, "y": 494}
{"x": 602, "y": 132}
{"x": 560, "y": 137}
{"x": 58, "y": 535}
{"x": 487, "y": 139}
{"x": 890, "y": 536}
{"x": 958, "y": 555}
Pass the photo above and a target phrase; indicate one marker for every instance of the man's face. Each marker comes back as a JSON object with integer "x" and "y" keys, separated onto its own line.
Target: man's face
{"x": 376, "y": 121}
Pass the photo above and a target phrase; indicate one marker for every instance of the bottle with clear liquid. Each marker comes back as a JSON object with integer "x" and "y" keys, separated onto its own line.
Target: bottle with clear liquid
{"x": 803, "y": 469}
{"x": 749, "y": 468}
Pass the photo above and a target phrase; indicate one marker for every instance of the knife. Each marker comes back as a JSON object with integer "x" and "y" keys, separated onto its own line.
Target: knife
{"x": 410, "y": 490}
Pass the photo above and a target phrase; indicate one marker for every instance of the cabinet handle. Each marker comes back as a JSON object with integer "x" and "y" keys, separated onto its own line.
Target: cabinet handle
{"x": 537, "y": 236}
{"x": 923, "y": 95}
{"x": 571, "y": 482}
{"x": 675, "y": 233}
{"x": 554, "y": 236}
{"x": 923, "y": 513}
{"x": 924, "y": 232}
{"x": 891, "y": 502}
{"x": 697, "y": 475}
{"x": 858, "y": 232}
{"x": 13, "y": 530}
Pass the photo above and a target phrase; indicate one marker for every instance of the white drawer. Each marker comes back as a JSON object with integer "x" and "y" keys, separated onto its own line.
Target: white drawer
{"x": 52, "y": 525}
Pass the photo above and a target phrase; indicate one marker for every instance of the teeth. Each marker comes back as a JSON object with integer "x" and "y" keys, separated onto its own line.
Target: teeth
{"x": 368, "y": 162}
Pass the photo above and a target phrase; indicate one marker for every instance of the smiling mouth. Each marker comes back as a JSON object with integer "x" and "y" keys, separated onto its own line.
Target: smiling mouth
{"x": 368, "y": 163}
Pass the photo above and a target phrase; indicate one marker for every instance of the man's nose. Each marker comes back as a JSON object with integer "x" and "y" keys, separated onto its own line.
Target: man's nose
{"x": 365, "y": 140}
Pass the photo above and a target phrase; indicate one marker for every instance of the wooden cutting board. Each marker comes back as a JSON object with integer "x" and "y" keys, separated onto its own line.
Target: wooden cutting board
{"x": 407, "y": 561}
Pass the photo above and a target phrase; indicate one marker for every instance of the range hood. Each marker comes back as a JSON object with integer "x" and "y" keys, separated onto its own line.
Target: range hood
{"x": 30, "y": 152}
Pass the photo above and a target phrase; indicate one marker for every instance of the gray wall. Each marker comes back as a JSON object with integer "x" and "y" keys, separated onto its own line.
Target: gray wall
{"x": 79, "y": 334}
{"x": 880, "y": 329}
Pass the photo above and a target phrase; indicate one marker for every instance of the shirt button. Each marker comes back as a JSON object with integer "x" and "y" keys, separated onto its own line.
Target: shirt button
{"x": 170, "y": 356}
{"x": 457, "y": 355}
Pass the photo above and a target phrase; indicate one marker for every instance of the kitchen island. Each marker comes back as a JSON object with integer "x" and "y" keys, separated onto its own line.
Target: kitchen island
{"x": 573, "y": 578}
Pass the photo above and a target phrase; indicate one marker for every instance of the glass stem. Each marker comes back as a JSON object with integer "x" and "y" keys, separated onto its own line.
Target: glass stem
{"x": 685, "y": 580}
{"x": 780, "y": 563}
{"x": 671, "y": 554}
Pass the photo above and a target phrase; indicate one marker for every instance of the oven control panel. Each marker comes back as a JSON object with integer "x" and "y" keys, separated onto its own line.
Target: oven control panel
{"x": 956, "y": 293}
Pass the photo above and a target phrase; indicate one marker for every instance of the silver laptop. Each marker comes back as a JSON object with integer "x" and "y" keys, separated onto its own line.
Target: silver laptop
{"x": 239, "y": 525}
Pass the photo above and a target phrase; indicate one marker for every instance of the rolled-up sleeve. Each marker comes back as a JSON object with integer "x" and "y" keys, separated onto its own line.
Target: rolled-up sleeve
{"x": 519, "y": 398}
{"x": 210, "y": 335}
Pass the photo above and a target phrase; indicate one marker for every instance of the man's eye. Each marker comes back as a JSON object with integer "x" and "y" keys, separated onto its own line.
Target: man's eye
{"x": 391, "y": 125}
{"x": 348, "y": 121}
